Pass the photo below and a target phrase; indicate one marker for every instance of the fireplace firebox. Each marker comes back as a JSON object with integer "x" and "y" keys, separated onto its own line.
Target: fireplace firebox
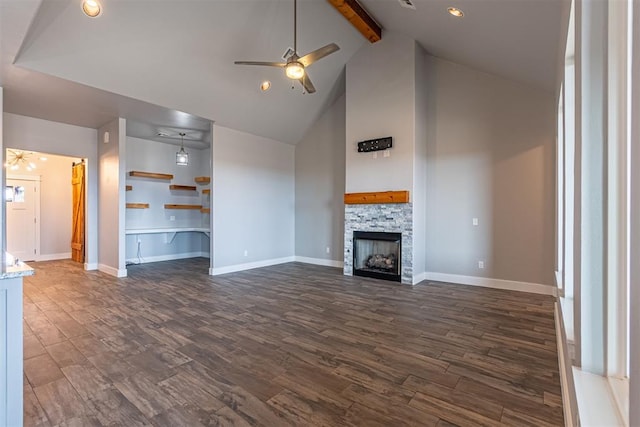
{"x": 377, "y": 255}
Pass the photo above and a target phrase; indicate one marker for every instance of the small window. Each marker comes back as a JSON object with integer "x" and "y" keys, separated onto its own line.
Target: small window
{"x": 14, "y": 194}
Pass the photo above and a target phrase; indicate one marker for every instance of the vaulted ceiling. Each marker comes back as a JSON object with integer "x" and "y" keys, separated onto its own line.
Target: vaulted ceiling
{"x": 60, "y": 65}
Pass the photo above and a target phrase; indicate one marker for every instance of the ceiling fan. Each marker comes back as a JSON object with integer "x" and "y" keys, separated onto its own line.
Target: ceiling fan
{"x": 295, "y": 65}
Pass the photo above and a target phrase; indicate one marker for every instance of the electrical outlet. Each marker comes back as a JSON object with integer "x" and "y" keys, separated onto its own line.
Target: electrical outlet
{"x": 386, "y": 153}
{"x": 474, "y": 221}
{"x": 246, "y": 252}
{"x": 481, "y": 264}
{"x": 172, "y": 218}
{"x": 375, "y": 155}
{"x": 328, "y": 250}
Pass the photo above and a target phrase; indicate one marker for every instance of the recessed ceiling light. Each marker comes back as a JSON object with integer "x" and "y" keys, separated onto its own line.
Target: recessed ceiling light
{"x": 455, "y": 12}
{"x": 265, "y": 85}
{"x": 91, "y": 8}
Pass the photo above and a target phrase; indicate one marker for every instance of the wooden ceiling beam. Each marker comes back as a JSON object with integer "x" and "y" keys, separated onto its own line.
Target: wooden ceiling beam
{"x": 359, "y": 18}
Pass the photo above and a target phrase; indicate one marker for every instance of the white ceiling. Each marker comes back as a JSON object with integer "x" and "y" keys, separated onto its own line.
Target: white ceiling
{"x": 59, "y": 65}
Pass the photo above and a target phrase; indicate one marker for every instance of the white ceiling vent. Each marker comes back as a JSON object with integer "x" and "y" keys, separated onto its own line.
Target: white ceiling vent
{"x": 408, "y": 4}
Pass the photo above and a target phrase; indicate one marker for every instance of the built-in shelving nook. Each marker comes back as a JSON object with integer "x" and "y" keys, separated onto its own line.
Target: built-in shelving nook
{"x": 173, "y": 222}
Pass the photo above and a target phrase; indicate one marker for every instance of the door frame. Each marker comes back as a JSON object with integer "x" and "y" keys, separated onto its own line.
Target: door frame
{"x": 35, "y": 178}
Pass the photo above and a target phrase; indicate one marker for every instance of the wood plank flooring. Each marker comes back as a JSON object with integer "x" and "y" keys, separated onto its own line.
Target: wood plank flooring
{"x": 293, "y": 344}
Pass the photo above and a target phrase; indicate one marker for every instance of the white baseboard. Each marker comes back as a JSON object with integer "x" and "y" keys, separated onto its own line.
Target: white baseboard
{"x": 112, "y": 271}
{"x": 534, "y": 288}
{"x": 169, "y": 257}
{"x": 320, "y": 261}
{"x": 91, "y": 266}
{"x": 250, "y": 265}
{"x": 53, "y": 257}
{"x": 419, "y": 278}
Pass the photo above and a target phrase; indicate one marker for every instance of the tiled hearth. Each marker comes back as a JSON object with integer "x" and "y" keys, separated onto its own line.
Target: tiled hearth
{"x": 387, "y": 217}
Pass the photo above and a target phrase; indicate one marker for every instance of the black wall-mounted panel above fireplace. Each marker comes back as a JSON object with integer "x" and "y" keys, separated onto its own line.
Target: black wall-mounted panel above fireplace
{"x": 377, "y": 254}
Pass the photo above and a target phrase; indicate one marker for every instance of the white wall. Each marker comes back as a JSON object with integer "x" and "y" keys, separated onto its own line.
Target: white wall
{"x": 319, "y": 181}
{"x": 380, "y": 103}
{"x": 56, "y": 199}
{"x": 151, "y": 156}
{"x": 111, "y": 194}
{"x": 28, "y": 133}
{"x": 490, "y": 156}
{"x": 252, "y": 200}
{"x": 419, "y": 197}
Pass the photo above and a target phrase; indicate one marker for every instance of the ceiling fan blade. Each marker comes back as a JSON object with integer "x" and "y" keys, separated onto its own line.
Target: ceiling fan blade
{"x": 305, "y": 81}
{"x": 317, "y": 54}
{"x": 266, "y": 64}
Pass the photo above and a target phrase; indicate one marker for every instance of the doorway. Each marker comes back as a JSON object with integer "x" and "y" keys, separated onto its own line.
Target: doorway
{"x": 54, "y": 205}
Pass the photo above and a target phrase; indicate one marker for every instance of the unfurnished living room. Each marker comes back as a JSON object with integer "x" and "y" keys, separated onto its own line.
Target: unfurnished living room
{"x": 320, "y": 213}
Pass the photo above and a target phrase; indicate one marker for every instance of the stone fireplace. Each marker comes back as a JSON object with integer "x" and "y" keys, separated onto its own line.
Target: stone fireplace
{"x": 383, "y": 218}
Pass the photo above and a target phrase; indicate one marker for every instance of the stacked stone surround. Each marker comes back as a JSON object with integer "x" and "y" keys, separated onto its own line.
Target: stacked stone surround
{"x": 389, "y": 218}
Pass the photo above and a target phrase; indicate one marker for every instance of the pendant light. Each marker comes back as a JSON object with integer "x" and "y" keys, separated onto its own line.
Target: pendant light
{"x": 182, "y": 157}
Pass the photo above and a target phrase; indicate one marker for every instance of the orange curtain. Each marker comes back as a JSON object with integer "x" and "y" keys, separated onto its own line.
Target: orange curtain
{"x": 77, "y": 230}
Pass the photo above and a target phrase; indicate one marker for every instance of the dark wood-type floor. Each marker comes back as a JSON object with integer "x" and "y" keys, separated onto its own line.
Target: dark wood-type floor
{"x": 292, "y": 344}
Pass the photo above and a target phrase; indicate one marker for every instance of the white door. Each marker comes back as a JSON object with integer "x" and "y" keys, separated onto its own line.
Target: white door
{"x": 21, "y": 196}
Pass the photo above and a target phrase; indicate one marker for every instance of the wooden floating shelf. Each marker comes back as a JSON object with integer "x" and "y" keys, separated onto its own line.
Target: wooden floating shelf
{"x": 182, "y": 187}
{"x": 151, "y": 175}
{"x": 194, "y": 207}
{"x": 128, "y": 188}
{"x": 202, "y": 179}
{"x": 137, "y": 205}
{"x": 376, "y": 197}
{"x": 205, "y": 210}
{"x": 206, "y": 191}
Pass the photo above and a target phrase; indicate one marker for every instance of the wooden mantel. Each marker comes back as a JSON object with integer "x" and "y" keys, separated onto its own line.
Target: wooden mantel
{"x": 376, "y": 197}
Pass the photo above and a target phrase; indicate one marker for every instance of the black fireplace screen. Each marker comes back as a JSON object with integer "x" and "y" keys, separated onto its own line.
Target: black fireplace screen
{"x": 377, "y": 254}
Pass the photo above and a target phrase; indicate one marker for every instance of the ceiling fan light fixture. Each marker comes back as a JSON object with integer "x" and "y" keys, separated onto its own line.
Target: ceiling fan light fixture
{"x": 91, "y": 8}
{"x": 294, "y": 70}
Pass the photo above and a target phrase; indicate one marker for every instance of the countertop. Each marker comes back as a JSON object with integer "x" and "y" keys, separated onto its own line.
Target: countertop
{"x": 12, "y": 268}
